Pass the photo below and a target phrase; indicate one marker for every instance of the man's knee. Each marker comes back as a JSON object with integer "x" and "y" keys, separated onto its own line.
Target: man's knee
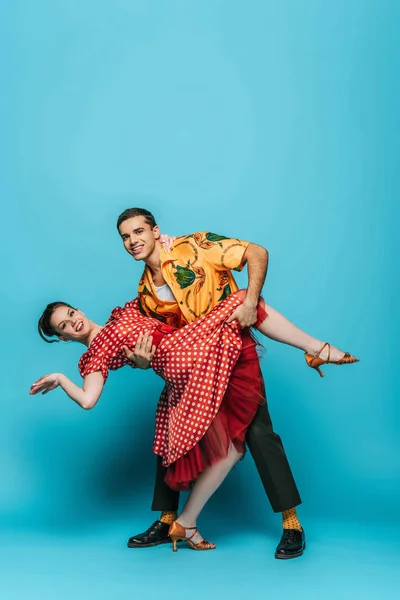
{"x": 261, "y": 430}
{"x": 262, "y": 421}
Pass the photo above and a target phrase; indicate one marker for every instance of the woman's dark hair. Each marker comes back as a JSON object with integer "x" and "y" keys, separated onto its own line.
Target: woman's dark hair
{"x": 44, "y": 328}
{"x": 136, "y": 212}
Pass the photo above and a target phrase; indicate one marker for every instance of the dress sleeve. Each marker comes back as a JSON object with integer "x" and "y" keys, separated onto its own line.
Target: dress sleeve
{"x": 90, "y": 363}
{"x": 133, "y": 304}
{"x": 225, "y": 254}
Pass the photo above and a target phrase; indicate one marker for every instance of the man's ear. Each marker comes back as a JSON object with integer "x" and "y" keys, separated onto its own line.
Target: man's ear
{"x": 156, "y": 232}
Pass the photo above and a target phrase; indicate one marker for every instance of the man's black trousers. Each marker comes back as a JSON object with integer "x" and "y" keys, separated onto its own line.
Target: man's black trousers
{"x": 269, "y": 455}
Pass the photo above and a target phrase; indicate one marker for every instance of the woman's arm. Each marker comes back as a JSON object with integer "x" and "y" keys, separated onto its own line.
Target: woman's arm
{"x": 166, "y": 241}
{"x": 86, "y": 396}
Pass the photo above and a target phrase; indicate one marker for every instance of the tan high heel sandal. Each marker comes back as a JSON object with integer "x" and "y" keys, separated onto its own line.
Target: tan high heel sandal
{"x": 177, "y": 532}
{"x": 315, "y": 361}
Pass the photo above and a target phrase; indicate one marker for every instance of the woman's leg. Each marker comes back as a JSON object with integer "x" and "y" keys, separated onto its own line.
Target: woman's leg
{"x": 279, "y": 328}
{"x": 206, "y": 484}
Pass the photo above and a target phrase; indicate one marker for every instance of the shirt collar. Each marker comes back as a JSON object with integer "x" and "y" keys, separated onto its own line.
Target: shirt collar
{"x": 166, "y": 257}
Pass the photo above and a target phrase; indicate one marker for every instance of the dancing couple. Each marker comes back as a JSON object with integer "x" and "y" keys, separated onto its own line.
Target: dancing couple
{"x": 191, "y": 324}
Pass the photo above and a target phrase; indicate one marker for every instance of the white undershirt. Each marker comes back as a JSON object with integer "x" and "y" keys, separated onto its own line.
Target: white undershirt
{"x": 164, "y": 292}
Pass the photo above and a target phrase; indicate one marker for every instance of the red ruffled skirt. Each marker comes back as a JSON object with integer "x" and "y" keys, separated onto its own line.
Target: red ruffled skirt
{"x": 244, "y": 394}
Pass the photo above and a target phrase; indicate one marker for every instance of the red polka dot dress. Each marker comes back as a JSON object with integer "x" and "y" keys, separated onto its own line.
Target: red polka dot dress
{"x": 213, "y": 383}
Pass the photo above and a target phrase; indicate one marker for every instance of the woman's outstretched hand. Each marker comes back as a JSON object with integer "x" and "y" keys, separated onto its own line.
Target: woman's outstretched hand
{"x": 167, "y": 241}
{"x": 45, "y": 384}
{"x": 143, "y": 353}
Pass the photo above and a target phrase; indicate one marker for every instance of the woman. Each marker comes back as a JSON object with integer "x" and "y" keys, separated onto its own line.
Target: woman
{"x": 200, "y": 430}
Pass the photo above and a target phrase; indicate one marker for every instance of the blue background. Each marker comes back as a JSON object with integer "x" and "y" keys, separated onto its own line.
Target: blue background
{"x": 276, "y": 122}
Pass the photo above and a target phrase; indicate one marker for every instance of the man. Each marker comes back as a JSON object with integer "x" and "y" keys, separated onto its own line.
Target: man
{"x": 178, "y": 287}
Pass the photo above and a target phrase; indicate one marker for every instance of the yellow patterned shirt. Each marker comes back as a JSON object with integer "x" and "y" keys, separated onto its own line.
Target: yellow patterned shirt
{"x": 198, "y": 271}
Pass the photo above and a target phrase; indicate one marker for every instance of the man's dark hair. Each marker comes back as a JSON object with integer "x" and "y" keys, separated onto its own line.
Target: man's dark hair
{"x": 44, "y": 328}
{"x": 136, "y": 212}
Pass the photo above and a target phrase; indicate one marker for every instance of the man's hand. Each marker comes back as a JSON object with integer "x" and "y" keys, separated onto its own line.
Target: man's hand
{"x": 143, "y": 353}
{"x": 45, "y": 384}
{"x": 245, "y": 314}
{"x": 167, "y": 241}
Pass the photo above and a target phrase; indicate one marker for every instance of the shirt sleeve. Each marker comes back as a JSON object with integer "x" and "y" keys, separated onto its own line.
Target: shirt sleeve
{"x": 225, "y": 254}
{"x": 93, "y": 363}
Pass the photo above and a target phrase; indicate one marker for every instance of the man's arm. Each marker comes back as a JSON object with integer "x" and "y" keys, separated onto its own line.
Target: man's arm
{"x": 256, "y": 258}
{"x": 227, "y": 254}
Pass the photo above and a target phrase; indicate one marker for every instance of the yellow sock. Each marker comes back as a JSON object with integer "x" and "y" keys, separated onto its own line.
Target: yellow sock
{"x": 168, "y": 516}
{"x": 290, "y": 520}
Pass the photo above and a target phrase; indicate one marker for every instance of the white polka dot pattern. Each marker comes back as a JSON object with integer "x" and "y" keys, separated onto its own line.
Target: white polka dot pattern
{"x": 196, "y": 362}
{"x": 122, "y": 328}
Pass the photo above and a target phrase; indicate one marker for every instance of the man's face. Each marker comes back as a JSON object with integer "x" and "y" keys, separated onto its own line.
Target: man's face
{"x": 139, "y": 237}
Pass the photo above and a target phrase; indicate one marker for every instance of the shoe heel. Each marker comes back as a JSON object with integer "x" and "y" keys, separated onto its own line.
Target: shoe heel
{"x": 311, "y": 360}
{"x": 174, "y": 541}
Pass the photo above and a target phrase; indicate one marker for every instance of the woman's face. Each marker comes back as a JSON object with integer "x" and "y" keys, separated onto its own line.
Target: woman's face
{"x": 70, "y": 324}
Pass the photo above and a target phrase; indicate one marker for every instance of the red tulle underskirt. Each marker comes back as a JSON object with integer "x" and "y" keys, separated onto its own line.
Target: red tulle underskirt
{"x": 242, "y": 399}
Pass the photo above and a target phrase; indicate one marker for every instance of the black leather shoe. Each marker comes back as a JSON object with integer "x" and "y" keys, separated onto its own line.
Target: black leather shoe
{"x": 292, "y": 544}
{"x": 156, "y": 534}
